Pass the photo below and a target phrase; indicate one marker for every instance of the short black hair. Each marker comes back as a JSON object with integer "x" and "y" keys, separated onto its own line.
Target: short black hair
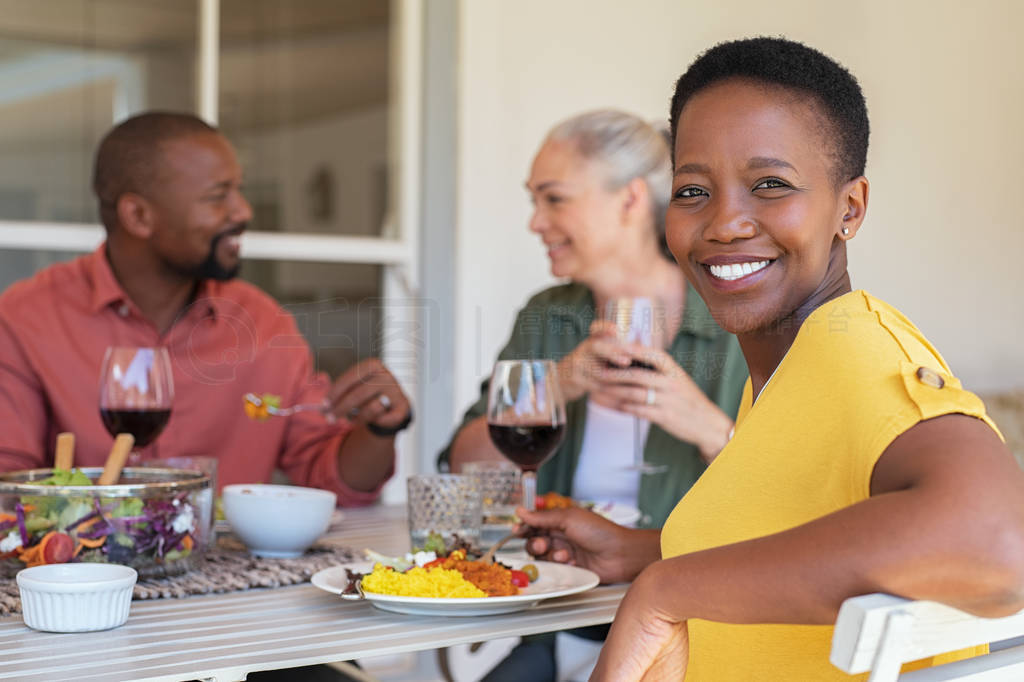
{"x": 128, "y": 157}
{"x": 793, "y": 66}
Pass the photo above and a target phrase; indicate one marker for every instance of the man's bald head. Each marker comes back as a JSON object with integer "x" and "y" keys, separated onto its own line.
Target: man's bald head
{"x": 128, "y": 158}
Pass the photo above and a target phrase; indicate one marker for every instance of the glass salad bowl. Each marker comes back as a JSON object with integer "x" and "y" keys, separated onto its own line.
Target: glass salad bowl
{"x": 158, "y": 521}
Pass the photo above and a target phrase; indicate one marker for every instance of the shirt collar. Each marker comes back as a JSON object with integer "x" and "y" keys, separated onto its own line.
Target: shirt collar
{"x": 107, "y": 291}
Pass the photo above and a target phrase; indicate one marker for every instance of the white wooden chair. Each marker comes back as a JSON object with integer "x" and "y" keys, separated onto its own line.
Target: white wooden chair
{"x": 880, "y": 632}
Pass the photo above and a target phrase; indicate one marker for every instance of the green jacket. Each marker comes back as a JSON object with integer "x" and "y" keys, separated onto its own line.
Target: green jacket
{"x": 555, "y": 321}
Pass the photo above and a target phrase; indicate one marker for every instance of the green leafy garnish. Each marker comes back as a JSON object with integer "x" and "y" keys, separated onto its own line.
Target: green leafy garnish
{"x": 65, "y": 477}
{"x": 122, "y": 539}
{"x": 75, "y": 509}
{"x": 49, "y": 506}
{"x": 129, "y": 506}
{"x": 434, "y": 543}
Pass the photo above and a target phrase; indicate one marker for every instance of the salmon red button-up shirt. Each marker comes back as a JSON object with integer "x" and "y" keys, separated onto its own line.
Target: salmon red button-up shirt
{"x": 232, "y": 339}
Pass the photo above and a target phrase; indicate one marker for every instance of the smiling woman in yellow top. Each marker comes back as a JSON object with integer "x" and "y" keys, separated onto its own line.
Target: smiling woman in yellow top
{"x": 858, "y": 464}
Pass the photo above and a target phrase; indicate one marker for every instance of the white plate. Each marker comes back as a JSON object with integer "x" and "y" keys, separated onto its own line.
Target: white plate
{"x": 222, "y": 525}
{"x": 622, "y": 514}
{"x": 555, "y": 580}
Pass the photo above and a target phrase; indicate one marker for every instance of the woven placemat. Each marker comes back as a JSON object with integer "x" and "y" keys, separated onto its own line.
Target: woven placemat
{"x": 226, "y": 568}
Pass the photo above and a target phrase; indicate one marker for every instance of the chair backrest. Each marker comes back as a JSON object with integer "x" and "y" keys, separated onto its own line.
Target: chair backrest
{"x": 880, "y": 632}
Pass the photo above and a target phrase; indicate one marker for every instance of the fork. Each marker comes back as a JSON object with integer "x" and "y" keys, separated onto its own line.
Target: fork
{"x": 488, "y": 557}
{"x": 285, "y": 411}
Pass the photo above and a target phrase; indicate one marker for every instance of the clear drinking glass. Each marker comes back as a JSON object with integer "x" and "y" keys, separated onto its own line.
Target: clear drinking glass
{"x": 136, "y": 393}
{"x": 638, "y": 320}
{"x": 446, "y": 504}
{"x": 501, "y": 490}
{"x": 526, "y": 416}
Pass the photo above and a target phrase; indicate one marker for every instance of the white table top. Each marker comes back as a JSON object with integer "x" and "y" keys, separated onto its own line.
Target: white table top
{"x": 224, "y": 637}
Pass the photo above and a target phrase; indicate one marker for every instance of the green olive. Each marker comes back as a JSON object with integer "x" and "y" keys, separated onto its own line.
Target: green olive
{"x": 531, "y": 571}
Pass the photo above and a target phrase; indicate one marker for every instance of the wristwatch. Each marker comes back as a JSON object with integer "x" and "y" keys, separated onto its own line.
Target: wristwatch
{"x": 387, "y": 431}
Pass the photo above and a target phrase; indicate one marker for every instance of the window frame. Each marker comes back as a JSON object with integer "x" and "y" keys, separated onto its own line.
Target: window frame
{"x": 396, "y": 250}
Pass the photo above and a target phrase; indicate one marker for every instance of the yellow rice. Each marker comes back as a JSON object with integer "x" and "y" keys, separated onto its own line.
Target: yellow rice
{"x": 420, "y": 582}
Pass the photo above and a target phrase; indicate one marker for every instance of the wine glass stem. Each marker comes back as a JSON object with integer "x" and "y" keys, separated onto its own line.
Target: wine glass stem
{"x": 638, "y": 442}
{"x": 529, "y": 490}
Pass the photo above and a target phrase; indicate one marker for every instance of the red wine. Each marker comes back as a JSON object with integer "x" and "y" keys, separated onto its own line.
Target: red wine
{"x": 527, "y": 445}
{"x": 145, "y": 425}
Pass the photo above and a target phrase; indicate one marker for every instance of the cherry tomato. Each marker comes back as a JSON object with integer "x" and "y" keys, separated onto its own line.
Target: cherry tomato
{"x": 59, "y": 549}
{"x": 520, "y": 579}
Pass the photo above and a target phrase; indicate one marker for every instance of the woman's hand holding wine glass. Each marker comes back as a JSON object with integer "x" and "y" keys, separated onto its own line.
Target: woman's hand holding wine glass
{"x": 580, "y": 372}
{"x": 646, "y": 382}
{"x": 136, "y": 393}
{"x": 635, "y": 322}
{"x": 526, "y": 416}
{"x": 667, "y": 396}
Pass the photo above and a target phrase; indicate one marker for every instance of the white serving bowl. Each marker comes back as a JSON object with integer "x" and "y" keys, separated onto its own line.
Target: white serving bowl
{"x": 76, "y": 597}
{"x": 277, "y": 520}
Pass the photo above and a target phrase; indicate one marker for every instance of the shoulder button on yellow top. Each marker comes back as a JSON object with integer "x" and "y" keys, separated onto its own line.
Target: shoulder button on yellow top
{"x": 930, "y": 377}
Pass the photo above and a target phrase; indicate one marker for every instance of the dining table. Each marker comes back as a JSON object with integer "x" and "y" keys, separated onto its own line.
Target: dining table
{"x": 224, "y": 637}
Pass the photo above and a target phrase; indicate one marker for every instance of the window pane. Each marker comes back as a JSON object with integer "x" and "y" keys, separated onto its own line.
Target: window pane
{"x": 17, "y": 265}
{"x": 68, "y": 70}
{"x": 337, "y": 307}
{"x": 304, "y": 98}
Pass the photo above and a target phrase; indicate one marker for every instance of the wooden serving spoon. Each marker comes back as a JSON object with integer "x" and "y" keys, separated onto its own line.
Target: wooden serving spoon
{"x": 65, "y": 451}
{"x": 116, "y": 459}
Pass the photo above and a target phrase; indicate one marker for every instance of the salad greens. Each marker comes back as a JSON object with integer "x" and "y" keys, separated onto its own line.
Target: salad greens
{"x": 89, "y": 527}
{"x": 433, "y": 543}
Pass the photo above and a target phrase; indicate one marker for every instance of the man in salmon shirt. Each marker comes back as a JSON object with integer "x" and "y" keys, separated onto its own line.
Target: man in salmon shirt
{"x": 169, "y": 190}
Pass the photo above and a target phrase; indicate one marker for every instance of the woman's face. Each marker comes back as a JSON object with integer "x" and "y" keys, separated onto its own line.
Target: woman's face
{"x": 754, "y": 213}
{"x": 574, "y": 213}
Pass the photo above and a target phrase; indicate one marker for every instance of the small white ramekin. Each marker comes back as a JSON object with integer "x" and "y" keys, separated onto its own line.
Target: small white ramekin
{"x": 76, "y": 597}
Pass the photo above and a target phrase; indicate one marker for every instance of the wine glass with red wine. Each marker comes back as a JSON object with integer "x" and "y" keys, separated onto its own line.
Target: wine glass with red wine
{"x": 136, "y": 392}
{"x": 526, "y": 416}
{"x": 638, "y": 320}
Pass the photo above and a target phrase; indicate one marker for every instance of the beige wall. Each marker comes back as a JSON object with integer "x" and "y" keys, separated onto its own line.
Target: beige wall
{"x": 945, "y": 88}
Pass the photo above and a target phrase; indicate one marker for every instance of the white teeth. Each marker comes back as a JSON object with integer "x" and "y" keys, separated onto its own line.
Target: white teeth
{"x": 736, "y": 270}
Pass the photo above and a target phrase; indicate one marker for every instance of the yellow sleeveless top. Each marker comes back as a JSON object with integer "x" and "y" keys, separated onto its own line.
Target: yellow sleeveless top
{"x": 849, "y": 385}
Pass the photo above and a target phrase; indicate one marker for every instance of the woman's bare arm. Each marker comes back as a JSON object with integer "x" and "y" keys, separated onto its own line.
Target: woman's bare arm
{"x": 945, "y": 522}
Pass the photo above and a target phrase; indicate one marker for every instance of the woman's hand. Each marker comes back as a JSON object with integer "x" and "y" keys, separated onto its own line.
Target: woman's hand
{"x": 577, "y": 371}
{"x": 645, "y": 643}
{"x": 664, "y": 395}
{"x": 586, "y": 539}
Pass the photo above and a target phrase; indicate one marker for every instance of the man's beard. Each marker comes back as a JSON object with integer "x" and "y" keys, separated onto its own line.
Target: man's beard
{"x": 211, "y": 268}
